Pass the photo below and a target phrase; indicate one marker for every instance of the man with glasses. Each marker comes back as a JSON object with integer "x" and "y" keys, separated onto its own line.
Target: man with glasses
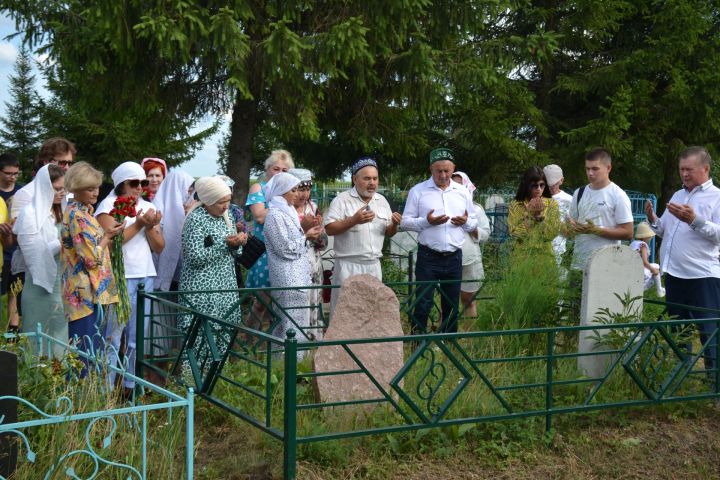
{"x": 359, "y": 219}
{"x": 9, "y": 172}
{"x": 600, "y": 212}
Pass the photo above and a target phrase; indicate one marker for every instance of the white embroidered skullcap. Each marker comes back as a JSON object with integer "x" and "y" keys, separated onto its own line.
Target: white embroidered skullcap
{"x": 553, "y": 174}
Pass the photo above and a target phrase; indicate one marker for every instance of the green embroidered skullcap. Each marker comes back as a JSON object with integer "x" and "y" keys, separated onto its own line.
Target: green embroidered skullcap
{"x": 440, "y": 154}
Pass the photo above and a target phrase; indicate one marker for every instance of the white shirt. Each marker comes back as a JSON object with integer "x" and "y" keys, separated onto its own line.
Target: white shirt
{"x": 136, "y": 251}
{"x": 691, "y": 251}
{"x": 606, "y": 207}
{"x": 363, "y": 242}
{"x": 454, "y": 201}
{"x": 564, "y": 200}
{"x": 22, "y": 198}
{"x": 471, "y": 252}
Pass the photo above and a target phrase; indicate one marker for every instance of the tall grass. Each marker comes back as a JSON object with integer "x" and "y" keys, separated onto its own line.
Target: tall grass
{"x": 117, "y": 439}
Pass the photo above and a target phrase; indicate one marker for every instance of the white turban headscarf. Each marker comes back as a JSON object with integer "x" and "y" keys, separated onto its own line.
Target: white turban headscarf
{"x": 274, "y": 190}
{"x": 127, "y": 171}
{"x": 211, "y": 190}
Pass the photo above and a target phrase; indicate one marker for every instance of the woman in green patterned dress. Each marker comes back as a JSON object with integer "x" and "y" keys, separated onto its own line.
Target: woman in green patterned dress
{"x": 209, "y": 243}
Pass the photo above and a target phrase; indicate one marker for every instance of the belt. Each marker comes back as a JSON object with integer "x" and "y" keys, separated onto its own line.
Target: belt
{"x": 435, "y": 252}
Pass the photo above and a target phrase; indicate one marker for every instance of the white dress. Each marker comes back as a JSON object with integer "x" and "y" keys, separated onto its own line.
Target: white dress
{"x": 289, "y": 267}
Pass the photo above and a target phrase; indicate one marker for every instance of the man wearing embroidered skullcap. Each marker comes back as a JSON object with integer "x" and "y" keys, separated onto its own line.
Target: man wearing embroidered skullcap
{"x": 441, "y": 211}
{"x": 359, "y": 219}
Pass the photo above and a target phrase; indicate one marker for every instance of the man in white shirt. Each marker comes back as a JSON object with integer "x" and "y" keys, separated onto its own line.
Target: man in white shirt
{"x": 600, "y": 212}
{"x": 441, "y": 211}
{"x": 554, "y": 177}
{"x": 690, "y": 232}
{"x": 359, "y": 219}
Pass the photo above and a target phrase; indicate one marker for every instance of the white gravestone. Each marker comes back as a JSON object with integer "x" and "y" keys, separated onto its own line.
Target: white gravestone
{"x": 611, "y": 270}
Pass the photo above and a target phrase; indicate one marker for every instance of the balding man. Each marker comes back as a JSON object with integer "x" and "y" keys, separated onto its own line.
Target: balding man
{"x": 359, "y": 219}
{"x": 690, "y": 229}
{"x": 441, "y": 211}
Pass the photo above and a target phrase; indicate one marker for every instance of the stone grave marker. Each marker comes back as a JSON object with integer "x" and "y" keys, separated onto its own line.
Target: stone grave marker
{"x": 611, "y": 270}
{"x": 8, "y": 410}
{"x": 366, "y": 309}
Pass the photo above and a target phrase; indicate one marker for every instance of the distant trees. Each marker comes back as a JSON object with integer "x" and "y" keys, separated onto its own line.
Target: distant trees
{"x": 504, "y": 83}
{"x": 21, "y": 129}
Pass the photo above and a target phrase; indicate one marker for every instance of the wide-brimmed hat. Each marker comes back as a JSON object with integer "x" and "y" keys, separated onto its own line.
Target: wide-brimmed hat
{"x": 643, "y": 230}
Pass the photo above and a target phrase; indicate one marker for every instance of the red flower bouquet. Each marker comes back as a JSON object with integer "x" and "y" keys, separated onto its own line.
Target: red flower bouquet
{"x": 122, "y": 208}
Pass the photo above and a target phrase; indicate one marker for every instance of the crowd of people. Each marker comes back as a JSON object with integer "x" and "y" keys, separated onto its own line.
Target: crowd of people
{"x": 188, "y": 236}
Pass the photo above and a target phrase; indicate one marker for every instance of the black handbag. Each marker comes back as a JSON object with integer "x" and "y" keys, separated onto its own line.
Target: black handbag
{"x": 252, "y": 250}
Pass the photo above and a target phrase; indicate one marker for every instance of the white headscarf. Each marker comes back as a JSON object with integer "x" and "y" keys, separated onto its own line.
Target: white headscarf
{"x": 127, "y": 171}
{"x": 274, "y": 190}
{"x": 210, "y": 190}
{"x": 37, "y": 233}
{"x": 466, "y": 181}
{"x": 170, "y": 199}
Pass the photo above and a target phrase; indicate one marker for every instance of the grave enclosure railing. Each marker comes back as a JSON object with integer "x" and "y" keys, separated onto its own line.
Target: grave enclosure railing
{"x": 100, "y": 454}
{"x": 446, "y": 380}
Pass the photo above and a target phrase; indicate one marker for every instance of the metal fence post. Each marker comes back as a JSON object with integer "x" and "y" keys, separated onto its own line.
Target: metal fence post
{"x": 140, "y": 330}
{"x": 411, "y": 273}
{"x": 548, "y": 380}
{"x": 290, "y": 433}
{"x": 189, "y": 435}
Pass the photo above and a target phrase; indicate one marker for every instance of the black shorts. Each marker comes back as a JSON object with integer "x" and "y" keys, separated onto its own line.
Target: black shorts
{"x": 8, "y": 278}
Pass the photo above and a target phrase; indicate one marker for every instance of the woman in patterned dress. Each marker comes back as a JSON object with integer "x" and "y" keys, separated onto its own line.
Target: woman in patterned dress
{"x": 87, "y": 277}
{"x": 209, "y": 243}
{"x": 286, "y": 248}
{"x": 258, "y": 276}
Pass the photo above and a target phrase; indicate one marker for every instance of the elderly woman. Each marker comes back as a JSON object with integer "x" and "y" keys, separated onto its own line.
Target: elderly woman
{"x": 473, "y": 272}
{"x": 258, "y": 276}
{"x": 38, "y": 235}
{"x": 209, "y": 243}
{"x": 155, "y": 172}
{"x": 141, "y": 237}
{"x": 87, "y": 278}
{"x": 286, "y": 247}
{"x": 534, "y": 217}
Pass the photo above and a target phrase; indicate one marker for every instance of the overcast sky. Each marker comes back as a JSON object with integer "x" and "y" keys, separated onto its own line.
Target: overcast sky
{"x": 205, "y": 161}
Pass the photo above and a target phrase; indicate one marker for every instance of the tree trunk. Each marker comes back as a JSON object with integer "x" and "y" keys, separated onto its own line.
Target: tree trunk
{"x": 242, "y": 131}
{"x": 671, "y": 181}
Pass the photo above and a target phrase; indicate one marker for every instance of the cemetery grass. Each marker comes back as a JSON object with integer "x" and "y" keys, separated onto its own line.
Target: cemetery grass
{"x": 47, "y": 385}
{"x": 669, "y": 441}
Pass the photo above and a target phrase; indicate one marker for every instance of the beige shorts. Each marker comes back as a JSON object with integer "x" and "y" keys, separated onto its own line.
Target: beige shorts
{"x": 474, "y": 271}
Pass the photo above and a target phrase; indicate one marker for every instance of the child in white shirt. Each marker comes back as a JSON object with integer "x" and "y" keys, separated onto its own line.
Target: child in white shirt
{"x": 643, "y": 234}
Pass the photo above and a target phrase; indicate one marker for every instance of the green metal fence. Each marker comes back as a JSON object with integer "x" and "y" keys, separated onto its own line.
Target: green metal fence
{"x": 446, "y": 380}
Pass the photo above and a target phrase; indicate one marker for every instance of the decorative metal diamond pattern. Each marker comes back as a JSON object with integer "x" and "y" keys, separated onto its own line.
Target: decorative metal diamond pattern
{"x": 433, "y": 395}
{"x": 655, "y": 361}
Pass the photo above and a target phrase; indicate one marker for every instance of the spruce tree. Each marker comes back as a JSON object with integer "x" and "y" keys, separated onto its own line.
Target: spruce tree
{"x": 21, "y": 127}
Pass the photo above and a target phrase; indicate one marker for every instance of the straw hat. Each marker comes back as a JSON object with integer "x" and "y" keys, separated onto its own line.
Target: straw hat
{"x": 643, "y": 230}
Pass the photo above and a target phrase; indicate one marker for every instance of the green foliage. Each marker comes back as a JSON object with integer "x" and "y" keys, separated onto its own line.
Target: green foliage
{"x": 22, "y": 130}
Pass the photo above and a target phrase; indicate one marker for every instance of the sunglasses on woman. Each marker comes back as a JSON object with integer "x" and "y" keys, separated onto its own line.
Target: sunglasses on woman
{"x": 537, "y": 185}
{"x": 137, "y": 183}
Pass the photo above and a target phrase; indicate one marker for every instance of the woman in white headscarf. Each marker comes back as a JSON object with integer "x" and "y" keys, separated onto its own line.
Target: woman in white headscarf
{"x": 209, "y": 243}
{"x": 473, "y": 272}
{"x": 289, "y": 266}
{"x": 38, "y": 234}
{"x": 171, "y": 199}
{"x": 141, "y": 237}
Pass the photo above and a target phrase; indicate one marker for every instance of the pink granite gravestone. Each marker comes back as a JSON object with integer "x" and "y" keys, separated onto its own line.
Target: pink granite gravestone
{"x": 366, "y": 309}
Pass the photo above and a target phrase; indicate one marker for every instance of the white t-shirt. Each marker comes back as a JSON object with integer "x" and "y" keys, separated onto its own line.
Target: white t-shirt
{"x": 563, "y": 200}
{"x": 607, "y": 207}
{"x": 136, "y": 252}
